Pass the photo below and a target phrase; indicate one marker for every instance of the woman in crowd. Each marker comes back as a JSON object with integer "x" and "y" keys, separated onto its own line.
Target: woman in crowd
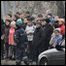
{"x": 11, "y": 39}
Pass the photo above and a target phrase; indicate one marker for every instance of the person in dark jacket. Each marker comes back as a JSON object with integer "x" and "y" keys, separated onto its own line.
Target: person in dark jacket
{"x": 37, "y": 40}
{"x": 20, "y": 38}
{"x": 47, "y": 32}
{"x": 2, "y": 38}
{"x": 41, "y": 38}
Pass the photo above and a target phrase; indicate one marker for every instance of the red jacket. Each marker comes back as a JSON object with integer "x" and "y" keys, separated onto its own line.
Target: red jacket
{"x": 62, "y": 28}
{"x": 11, "y": 36}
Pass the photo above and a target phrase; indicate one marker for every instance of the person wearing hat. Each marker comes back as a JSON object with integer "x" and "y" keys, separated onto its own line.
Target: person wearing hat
{"x": 19, "y": 38}
{"x": 18, "y": 23}
{"x": 30, "y": 28}
{"x": 50, "y": 17}
{"x": 56, "y": 38}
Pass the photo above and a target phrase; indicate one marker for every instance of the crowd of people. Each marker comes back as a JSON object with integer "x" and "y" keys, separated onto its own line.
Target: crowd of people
{"x": 24, "y": 37}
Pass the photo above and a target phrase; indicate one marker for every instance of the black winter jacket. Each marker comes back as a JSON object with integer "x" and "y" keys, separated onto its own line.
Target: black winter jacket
{"x": 20, "y": 37}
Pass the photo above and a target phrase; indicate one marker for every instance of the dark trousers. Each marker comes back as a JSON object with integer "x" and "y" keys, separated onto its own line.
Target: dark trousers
{"x": 29, "y": 49}
{"x": 6, "y": 49}
{"x": 11, "y": 51}
{"x": 14, "y": 51}
{"x": 41, "y": 49}
{"x": 35, "y": 54}
{"x": 19, "y": 54}
{"x": 2, "y": 48}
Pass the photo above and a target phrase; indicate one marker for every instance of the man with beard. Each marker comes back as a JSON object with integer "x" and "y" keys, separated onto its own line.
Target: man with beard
{"x": 37, "y": 41}
{"x": 47, "y": 32}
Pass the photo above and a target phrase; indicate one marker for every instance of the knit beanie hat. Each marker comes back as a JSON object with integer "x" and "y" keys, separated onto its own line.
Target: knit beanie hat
{"x": 19, "y": 22}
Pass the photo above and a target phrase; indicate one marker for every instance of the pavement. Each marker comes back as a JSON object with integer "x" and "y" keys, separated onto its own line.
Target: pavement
{"x": 12, "y": 62}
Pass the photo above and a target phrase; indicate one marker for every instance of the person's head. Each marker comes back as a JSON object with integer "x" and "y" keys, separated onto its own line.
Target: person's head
{"x": 7, "y": 22}
{"x": 27, "y": 13}
{"x": 22, "y": 15}
{"x": 47, "y": 21}
{"x": 38, "y": 25}
{"x": 56, "y": 18}
{"x": 39, "y": 17}
{"x": 30, "y": 20}
{"x": 19, "y": 23}
{"x": 10, "y": 15}
{"x": 29, "y": 23}
{"x": 61, "y": 21}
{"x": 13, "y": 24}
{"x": 43, "y": 22}
{"x": 49, "y": 15}
{"x": 56, "y": 24}
{"x": 18, "y": 15}
{"x": 57, "y": 31}
{"x": 25, "y": 20}
{"x": 14, "y": 17}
